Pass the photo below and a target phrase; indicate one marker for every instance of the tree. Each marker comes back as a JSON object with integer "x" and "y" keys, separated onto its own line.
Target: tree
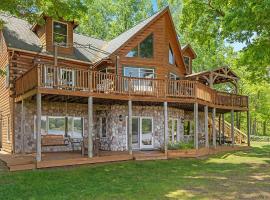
{"x": 107, "y": 19}
{"x": 233, "y": 21}
{"x": 33, "y": 9}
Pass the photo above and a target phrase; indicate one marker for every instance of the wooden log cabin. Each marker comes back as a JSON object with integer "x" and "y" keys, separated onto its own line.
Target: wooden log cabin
{"x": 65, "y": 92}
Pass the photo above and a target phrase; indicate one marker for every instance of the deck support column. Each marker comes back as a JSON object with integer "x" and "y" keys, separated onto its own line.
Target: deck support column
{"x": 232, "y": 126}
{"x": 166, "y": 126}
{"x": 223, "y": 128}
{"x": 38, "y": 134}
{"x": 206, "y": 126}
{"x": 214, "y": 127}
{"x": 129, "y": 127}
{"x": 196, "y": 126}
{"x": 90, "y": 127}
{"x": 178, "y": 132}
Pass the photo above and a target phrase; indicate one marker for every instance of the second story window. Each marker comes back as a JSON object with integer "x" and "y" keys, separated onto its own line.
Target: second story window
{"x": 187, "y": 61}
{"x": 171, "y": 56}
{"x": 60, "y": 33}
{"x": 144, "y": 50}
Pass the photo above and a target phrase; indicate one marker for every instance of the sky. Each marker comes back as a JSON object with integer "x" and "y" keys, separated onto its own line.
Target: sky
{"x": 236, "y": 45}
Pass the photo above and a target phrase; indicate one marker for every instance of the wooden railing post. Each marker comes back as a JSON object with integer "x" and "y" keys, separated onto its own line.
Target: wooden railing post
{"x": 90, "y": 80}
{"x": 39, "y": 74}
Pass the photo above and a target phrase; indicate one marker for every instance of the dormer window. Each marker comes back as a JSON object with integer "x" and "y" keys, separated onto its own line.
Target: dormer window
{"x": 171, "y": 56}
{"x": 187, "y": 61}
{"x": 144, "y": 49}
{"x": 60, "y": 33}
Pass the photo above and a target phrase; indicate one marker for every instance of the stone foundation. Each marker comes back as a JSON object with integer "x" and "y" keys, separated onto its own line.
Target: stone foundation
{"x": 116, "y": 116}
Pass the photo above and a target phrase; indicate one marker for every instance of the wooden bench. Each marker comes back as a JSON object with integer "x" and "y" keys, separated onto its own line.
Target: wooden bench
{"x": 54, "y": 140}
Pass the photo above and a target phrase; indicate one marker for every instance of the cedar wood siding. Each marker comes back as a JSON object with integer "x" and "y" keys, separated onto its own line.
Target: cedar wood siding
{"x": 163, "y": 34}
{"x": 6, "y": 103}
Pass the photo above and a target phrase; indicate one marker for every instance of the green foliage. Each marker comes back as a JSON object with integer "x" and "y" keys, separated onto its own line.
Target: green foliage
{"x": 107, "y": 19}
{"x": 33, "y": 9}
{"x": 181, "y": 145}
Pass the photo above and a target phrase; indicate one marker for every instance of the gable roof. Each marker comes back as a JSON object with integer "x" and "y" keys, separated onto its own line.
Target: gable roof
{"x": 120, "y": 40}
{"x": 188, "y": 47}
{"x": 18, "y": 34}
{"x": 220, "y": 75}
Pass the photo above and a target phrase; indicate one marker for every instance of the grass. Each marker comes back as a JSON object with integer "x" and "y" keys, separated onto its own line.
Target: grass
{"x": 239, "y": 175}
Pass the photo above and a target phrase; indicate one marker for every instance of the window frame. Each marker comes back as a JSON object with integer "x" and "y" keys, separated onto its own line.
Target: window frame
{"x": 173, "y": 57}
{"x": 139, "y": 69}
{"x": 53, "y": 42}
{"x": 189, "y": 60}
{"x": 66, "y": 131}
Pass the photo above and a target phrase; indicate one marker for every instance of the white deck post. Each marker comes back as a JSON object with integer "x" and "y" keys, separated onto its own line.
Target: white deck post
{"x": 166, "y": 126}
{"x": 232, "y": 126}
{"x": 38, "y": 136}
{"x": 178, "y": 132}
{"x": 196, "y": 126}
{"x": 206, "y": 126}
{"x": 129, "y": 127}
{"x": 90, "y": 127}
{"x": 223, "y": 128}
{"x": 214, "y": 127}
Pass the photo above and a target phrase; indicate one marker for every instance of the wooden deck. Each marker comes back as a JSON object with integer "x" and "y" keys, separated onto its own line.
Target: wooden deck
{"x": 18, "y": 162}
{"x": 83, "y": 83}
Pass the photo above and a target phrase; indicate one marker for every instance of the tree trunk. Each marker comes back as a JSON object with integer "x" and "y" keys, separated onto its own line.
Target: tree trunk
{"x": 264, "y": 127}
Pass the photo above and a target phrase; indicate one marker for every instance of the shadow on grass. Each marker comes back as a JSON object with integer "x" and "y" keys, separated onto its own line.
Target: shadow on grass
{"x": 164, "y": 179}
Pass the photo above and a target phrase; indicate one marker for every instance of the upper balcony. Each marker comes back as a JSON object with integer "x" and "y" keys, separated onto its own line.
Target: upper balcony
{"x": 48, "y": 79}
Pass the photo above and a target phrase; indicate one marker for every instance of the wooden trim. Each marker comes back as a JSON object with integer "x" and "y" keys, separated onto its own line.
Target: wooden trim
{"x": 50, "y": 56}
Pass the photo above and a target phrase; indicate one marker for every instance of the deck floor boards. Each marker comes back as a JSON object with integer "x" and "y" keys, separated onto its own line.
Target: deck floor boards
{"x": 17, "y": 162}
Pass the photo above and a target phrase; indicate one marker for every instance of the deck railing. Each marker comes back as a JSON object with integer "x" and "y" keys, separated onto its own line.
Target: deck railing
{"x": 66, "y": 78}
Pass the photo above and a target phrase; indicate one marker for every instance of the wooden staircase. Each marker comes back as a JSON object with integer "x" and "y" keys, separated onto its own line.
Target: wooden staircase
{"x": 240, "y": 136}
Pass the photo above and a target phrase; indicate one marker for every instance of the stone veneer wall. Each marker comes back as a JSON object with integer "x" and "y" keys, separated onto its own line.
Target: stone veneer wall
{"x": 115, "y": 128}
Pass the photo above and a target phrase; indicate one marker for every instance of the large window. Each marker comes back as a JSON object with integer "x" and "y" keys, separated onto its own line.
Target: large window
{"x": 60, "y": 33}
{"x": 171, "y": 56}
{"x": 142, "y": 85}
{"x": 139, "y": 72}
{"x": 144, "y": 49}
{"x": 60, "y": 125}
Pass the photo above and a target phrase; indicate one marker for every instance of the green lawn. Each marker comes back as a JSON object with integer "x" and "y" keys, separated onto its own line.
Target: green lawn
{"x": 240, "y": 175}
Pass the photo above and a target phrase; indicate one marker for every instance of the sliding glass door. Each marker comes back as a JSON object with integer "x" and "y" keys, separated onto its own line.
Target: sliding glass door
{"x": 146, "y": 140}
{"x": 145, "y": 84}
